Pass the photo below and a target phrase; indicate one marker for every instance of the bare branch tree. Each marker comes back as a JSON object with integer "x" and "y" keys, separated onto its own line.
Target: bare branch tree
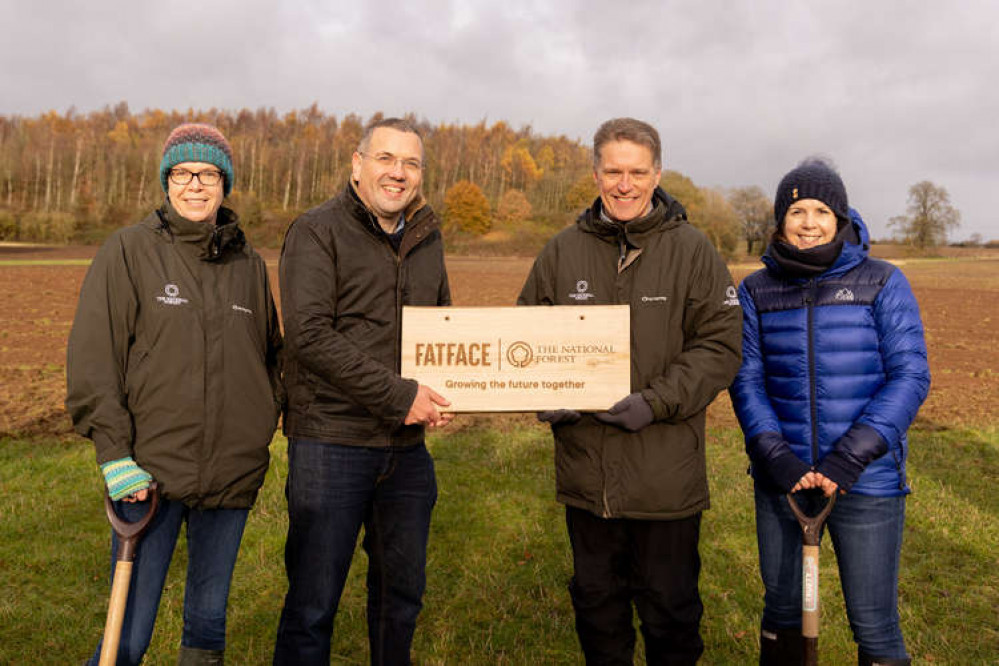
{"x": 756, "y": 214}
{"x": 929, "y": 216}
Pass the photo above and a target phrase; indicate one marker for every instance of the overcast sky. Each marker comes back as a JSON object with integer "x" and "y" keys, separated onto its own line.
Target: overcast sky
{"x": 895, "y": 92}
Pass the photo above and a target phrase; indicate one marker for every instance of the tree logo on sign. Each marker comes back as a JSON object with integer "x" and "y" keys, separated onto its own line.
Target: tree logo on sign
{"x": 519, "y": 354}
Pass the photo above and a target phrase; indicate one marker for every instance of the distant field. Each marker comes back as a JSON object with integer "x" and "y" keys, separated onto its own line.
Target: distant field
{"x": 959, "y": 298}
{"x": 499, "y": 559}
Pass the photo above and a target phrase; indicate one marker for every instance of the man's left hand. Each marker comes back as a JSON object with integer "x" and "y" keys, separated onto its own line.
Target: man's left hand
{"x": 426, "y": 408}
{"x": 631, "y": 413}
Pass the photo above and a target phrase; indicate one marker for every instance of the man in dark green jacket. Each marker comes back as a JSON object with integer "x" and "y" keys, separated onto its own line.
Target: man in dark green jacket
{"x": 633, "y": 479}
{"x": 355, "y": 427}
{"x": 173, "y": 371}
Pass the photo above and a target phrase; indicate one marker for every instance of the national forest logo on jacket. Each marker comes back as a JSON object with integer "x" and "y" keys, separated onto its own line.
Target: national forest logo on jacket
{"x": 582, "y": 291}
{"x": 171, "y": 295}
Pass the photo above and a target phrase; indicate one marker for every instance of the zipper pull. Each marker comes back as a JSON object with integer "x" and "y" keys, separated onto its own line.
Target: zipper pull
{"x": 215, "y": 245}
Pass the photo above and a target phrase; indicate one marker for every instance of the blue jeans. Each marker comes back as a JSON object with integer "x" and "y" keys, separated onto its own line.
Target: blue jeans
{"x": 213, "y": 537}
{"x": 867, "y": 537}
{"x": 332, "y": 491}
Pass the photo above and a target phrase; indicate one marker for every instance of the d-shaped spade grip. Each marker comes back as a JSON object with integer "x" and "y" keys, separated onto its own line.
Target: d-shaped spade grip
{"x": 811, "y": 526}
{"x": 129, "y": 535}
{"x": 811, "y": 530}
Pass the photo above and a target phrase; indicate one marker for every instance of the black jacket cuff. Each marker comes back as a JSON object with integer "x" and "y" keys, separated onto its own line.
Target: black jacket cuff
{"x": 855, "y": 450}
{"x": 785, "y": 470}
{"x": 842, "y": 469}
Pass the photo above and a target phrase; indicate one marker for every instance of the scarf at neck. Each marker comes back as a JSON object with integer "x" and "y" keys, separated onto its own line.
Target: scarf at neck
{"x": 815, "y": 260}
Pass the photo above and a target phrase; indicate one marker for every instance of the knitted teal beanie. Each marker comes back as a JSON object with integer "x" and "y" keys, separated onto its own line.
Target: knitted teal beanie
{"x": 193, "y": 142}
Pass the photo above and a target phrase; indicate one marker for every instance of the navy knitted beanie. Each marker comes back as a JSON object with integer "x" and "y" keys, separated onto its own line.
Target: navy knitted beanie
{"x": 193, "y": 142}
{"x": 812, "y": 179}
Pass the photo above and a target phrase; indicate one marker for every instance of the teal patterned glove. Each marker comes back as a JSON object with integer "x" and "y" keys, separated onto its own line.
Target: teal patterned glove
{"x": 123, "y": 478}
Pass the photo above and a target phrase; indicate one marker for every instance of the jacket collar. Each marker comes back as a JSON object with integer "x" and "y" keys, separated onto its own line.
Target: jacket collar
{"x": 208, "y": 241}
{"x": 667, "y": 213}
{"x": 420, "y": 218}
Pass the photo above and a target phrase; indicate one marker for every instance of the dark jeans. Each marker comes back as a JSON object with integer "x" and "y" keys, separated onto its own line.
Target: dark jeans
{"x": 332, "y": 491}
{"x": 867, "y": 537}
{"x": 213, "y": 537}
{"x": 651, "y": 563}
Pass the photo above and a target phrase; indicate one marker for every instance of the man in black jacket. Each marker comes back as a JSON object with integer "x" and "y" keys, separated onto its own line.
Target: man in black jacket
{"x": 355, "y": 427}
{"x": 634, "y": 478}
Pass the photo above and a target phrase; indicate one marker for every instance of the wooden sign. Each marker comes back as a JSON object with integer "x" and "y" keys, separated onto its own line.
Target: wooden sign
{"x": 520, "y": 359}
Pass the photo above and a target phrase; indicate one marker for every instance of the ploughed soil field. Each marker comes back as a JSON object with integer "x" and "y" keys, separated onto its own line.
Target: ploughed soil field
{"x": 959, "y": 299}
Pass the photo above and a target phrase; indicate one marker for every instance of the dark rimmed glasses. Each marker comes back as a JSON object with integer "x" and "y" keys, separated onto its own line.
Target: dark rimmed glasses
{"x": 208, "y": 177}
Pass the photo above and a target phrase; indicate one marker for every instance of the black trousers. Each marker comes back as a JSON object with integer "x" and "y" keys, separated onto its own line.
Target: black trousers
{"x": 653, "y": 564}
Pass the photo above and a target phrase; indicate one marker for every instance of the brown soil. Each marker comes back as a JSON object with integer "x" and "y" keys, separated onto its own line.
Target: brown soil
{"x": 959, "y": 302}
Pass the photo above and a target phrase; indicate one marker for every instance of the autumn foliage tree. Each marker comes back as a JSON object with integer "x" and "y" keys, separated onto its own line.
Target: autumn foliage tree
{"x": 513, "y": 208}
{"x": 929, "y": 216}
{"x": 520, "y": 166}
{"x": 719, "y": 221}
{"x": 466, "y": 208}
{"x": 581, "y": 194}
{"x": 707, "y": 209}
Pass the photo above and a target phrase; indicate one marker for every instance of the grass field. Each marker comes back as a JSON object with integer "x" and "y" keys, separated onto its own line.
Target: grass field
{"x": 499, "y": 559}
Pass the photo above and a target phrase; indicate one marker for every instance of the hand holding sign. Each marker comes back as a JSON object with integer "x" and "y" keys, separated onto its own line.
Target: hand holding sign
{"x": 425, "y": 408}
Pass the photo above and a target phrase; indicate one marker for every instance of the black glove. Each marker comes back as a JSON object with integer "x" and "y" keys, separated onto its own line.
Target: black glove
{"x": 631, "y": 413}
{"x": 559, "y": 416}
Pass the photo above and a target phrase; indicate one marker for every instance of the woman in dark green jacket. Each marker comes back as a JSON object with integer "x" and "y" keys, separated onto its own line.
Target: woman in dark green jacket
{"x": 173, "y": 372}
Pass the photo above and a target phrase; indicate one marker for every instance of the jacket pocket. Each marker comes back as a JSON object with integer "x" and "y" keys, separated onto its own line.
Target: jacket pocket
{"x": 135, "y": 372}
{"x": 578, "y": 465}
{"x": 249, "y": 395}
{"x": 243, "y": 329}
{"x": 663, "y": 470}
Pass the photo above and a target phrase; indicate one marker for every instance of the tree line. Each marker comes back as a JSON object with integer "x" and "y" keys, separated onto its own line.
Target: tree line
{"x": 75, "y": 177}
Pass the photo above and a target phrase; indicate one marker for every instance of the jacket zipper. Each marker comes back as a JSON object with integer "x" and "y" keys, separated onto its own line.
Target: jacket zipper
{"x": 215, "y": 243}
{"x": 398, "y": 257}
{"x": 896, "y": 456}
{"x": 812, "y": 391}
{"x": 398, "y": 310}
{"x": 621, "y": 260}
{"x": 206, "y": 419}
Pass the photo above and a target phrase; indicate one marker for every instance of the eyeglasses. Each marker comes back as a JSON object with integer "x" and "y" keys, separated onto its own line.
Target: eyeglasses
{"x": 388, "y": 161}
{"x": 207, "y": 178}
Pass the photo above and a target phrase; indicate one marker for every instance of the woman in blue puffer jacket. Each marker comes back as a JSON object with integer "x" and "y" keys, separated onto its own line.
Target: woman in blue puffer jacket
{"x": 834, "y": 370}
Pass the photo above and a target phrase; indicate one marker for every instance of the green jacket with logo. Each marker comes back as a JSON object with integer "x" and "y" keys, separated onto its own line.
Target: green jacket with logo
{"x": 343, "y": 286}
{"x": 174, "y": 358}
{"x": 686, "y": 335}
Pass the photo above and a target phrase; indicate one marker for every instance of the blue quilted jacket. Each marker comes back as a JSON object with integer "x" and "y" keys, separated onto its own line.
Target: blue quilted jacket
{"x": 834, "y": 370}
